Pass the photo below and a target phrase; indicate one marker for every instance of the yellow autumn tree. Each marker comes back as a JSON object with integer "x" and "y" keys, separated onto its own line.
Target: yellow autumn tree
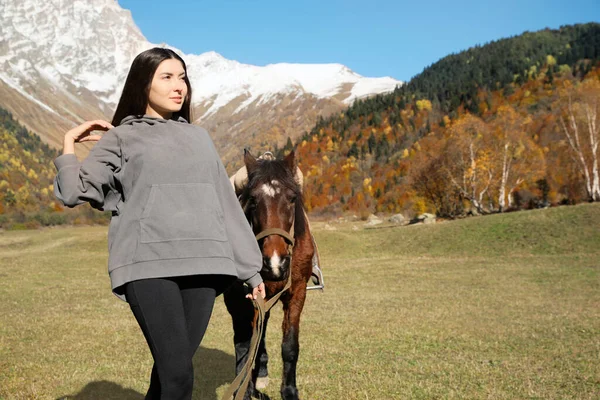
{"x": 517, "y": 157}
{"x": 579, "y": 120}
{"x": 468, "y": 160}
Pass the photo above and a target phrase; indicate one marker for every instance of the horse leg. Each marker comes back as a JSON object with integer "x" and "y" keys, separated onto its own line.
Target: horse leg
{"x": 292, "y": 308}
{"x": 242, "y": 315}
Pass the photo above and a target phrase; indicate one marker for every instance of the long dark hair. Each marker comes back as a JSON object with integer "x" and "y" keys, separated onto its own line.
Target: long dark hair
{"x": 134, "y": 98}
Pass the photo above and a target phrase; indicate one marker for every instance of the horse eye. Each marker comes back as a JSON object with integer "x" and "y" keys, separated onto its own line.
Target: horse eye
{"x": 293, "y": 199}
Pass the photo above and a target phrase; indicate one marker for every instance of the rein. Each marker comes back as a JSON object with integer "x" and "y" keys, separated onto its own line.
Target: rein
{"x": 261, "y": 306}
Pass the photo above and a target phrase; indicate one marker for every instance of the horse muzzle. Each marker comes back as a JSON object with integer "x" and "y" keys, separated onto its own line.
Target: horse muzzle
{"x": 275, "y": 268}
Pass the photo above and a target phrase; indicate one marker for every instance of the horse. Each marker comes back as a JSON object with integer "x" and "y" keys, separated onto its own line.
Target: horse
{"x": 273, "y": 199}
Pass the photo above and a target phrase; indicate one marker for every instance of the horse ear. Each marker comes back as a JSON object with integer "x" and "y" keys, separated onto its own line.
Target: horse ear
{"x": 290, "y": 161}
{"x": 249, "y": 161}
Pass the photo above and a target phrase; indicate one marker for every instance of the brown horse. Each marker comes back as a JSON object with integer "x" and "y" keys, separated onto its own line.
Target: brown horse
{"x": 273, "y": 199}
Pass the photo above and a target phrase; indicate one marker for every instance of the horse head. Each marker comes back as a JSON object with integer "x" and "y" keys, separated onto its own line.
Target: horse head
{"x": 272, "y": 202}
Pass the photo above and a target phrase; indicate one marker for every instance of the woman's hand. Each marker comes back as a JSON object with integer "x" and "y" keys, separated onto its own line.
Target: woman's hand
{"x": 260, "y": 289}
{"x": 81, "y": 134}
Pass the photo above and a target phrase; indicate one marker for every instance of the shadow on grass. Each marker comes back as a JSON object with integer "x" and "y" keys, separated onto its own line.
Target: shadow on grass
{"x": 104, "y": 390}
{"x": 212, "y": 368}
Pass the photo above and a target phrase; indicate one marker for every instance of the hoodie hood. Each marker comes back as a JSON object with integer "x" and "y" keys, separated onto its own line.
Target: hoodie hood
{"x": 131, "y": 119}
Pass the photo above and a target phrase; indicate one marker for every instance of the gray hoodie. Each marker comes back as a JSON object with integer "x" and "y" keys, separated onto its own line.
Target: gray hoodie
{"x": 174, "y": 211}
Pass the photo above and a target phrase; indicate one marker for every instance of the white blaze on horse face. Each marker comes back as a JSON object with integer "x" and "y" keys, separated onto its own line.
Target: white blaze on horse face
{"x": 272, "y": 189}
{"x": 275, "y": 263}
{"x": 268, "y": 190}
{"x": 276, "y": 186}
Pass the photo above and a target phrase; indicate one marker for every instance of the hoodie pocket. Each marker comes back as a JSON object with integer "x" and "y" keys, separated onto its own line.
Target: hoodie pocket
{"x": 182, "y": 211}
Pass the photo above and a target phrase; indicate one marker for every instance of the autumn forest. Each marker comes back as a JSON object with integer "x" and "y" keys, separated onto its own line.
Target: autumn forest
{"x": 506, "y": 126}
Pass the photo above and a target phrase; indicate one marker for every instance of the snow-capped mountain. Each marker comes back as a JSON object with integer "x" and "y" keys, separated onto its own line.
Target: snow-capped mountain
{"x": 220, "y": 80}
{"x": 87, "y": 43}
{"x": 65, "y": 61}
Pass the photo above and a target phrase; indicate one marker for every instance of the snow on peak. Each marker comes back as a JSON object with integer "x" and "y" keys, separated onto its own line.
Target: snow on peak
{"x": 91, "y": 44}
{"x": 87, "y": 43}
{"x": 220, "y": 81}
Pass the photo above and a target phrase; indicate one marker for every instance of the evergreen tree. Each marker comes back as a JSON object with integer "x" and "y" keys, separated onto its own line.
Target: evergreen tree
{"x": 289, "y": 146}
{"x": 353, "y": 152}
{"x": 371, "y": 143}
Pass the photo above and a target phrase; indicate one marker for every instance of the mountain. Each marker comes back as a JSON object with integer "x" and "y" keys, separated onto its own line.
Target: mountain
{"x": 409, "y": 151}
{"x": 63, "y": 62}
{"x": 477, "y": 132}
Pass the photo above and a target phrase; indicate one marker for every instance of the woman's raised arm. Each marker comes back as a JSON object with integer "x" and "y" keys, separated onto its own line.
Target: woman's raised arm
{"x": 93, "y": 179}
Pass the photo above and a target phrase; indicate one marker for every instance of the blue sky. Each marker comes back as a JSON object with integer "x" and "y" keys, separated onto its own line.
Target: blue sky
{"x": 373, "y": 38}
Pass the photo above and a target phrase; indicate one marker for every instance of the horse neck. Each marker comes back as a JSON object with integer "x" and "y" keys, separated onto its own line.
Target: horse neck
{"x": 300, "y": 224}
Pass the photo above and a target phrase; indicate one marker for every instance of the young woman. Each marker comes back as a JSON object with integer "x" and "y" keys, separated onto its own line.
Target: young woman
{"x": 178, "y": 236}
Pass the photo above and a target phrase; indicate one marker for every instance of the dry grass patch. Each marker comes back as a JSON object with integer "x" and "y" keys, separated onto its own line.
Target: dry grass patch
{"x": 500, "y": 307}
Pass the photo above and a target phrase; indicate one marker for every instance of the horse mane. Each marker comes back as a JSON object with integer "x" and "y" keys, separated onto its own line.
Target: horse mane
{"x": 265, "y": 172}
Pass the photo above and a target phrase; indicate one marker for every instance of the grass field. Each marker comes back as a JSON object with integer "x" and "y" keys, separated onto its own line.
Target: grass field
{"x": 496, "y": 307}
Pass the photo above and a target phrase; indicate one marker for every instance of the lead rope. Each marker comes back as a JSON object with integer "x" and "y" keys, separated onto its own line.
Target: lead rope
{"x": 240, "y": 383}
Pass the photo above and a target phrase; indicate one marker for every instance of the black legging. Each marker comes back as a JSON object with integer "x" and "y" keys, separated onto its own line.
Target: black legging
{"x": 173, "y": 314}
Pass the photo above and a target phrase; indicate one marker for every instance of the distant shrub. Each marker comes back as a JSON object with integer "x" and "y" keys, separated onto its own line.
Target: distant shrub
{"x": 50, "y": 218}
{"x": 32, "y": 224}
{"x": 16, "y": 226}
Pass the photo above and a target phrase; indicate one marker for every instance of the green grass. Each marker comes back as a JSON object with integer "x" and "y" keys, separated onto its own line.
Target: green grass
{"x": 496, "y": 307}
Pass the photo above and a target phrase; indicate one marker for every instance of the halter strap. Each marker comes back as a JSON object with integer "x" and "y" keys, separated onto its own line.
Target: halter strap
{"x": 276, "y": 231}
{"x": 288, "y": 236}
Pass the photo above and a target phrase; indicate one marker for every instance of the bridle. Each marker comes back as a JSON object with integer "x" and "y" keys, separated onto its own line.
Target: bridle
{"x": 287, "y": 236}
